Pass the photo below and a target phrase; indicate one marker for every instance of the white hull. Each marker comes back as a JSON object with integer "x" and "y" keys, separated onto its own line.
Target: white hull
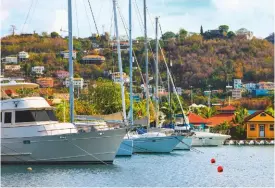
{"x": 185, "y": 144}
{"x": 208, "y": 139}
{"x": 157, "y": 144}
{"x": 125, "y": 148}
{"x": 91, "y": 147}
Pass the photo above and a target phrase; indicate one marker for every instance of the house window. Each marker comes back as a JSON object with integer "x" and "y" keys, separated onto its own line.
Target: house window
{"x": 7, "y": 117}
{"x": 252, "y": 127}
{"x": 271, "y": 127}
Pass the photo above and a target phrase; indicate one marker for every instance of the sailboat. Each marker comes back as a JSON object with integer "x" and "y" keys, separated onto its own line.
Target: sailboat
{"x": 31, "y": 134}
{"x": 151, "y": 142}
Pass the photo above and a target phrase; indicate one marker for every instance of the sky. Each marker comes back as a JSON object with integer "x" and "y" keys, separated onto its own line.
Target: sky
{"x": 51, "y": 15}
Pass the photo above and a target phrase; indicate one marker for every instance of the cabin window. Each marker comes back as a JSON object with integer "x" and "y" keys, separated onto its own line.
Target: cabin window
{"x": 252, "y": 127}
{"x": 271, "y": 127}
{"x": 7, "y": 117}
{"x": 24, "y": 116}
{"x": 34, "y": 115}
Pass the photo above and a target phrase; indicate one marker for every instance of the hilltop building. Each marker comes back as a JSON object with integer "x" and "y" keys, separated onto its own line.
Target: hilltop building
{"x": 65, "y": 54}
{"x": 45, "y": 82}
{"x": 61, "y": 74}
{"x": 245, "y": 33}
{"x": 12, "y": 67}
{"x": 9, "y": 59}
{"x": 38, "y": 69}
{"x": 92, "y": 59}
{"x": 78, "y": 83}
{"x": 22, "y": 56}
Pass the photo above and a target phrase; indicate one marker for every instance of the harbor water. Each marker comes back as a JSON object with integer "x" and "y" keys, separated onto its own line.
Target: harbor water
{"x": 244, "y": 166}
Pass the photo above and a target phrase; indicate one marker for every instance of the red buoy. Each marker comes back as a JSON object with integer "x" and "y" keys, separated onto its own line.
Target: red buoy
{"x": 212, "y": 160}
{"x": 220, "y": 169}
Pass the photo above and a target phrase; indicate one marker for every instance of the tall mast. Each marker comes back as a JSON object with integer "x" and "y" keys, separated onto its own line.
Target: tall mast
{"x": 157, "y": 77}
{"x": 71, "y": 66}
{"x": 146, "y": 62}
{"x": 131, "y": 63}
{"x": 119, "y": 63}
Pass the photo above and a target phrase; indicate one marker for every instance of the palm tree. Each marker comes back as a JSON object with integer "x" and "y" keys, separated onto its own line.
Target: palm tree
{"x": 239, "y": 120}
{"x": 208, "y": 112}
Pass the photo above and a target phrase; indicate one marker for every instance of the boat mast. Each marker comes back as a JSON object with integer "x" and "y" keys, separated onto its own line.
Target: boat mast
{"x": 119, "y": 63}
{"x": 71, "y": 79}
{"x": 131, "y": 63}
{"x": 157, "y": 78}
{"x": 146, "y": 63}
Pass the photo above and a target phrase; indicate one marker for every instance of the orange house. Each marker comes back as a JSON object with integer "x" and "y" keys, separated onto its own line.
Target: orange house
{"x": 260, "y": 125}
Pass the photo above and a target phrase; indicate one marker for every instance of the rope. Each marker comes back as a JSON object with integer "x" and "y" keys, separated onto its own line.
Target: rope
{"x": 87, "y": 17}
{"x": 93, "y": 17}
{"x": 89, "y": 154}
{"x": 27, "y": 16}
{"x": 76, "y": 18}
{"x": 191, "y": 148}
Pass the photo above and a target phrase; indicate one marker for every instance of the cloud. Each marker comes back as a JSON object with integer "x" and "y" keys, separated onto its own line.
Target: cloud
{"x": 51, "y": 15}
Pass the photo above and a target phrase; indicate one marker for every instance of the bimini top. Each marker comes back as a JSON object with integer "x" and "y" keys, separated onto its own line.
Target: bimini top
{"x": 15, "y": 85}
{"x": 25, "y": 103}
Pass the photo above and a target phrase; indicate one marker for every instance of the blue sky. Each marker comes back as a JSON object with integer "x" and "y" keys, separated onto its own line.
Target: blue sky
{"x": 51, "y": 15}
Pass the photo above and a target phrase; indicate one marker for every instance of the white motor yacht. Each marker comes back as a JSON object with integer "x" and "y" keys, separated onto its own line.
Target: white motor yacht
{"x": 30, "y": 133}
{"x": 208, "y": 139}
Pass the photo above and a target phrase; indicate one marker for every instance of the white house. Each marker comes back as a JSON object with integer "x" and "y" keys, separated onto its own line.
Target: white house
{"x": 116, "y": 77}
{"x": 237, "y": 93}
{"x": 38, "y": 69}
{"x": 65, "y": 54}
{"x": 245, "y": 33}
{"x": 9, "y": 59}
{"x": 78, "y": 82}
{"x": 23, "y": 55}
{"x": 237, "y": 83}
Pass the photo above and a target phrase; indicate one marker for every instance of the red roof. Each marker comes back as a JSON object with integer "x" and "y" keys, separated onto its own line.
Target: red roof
{"x": 219, "y": 119}
{"x": 196, "y": 119}
{"x": 228, "y": 108}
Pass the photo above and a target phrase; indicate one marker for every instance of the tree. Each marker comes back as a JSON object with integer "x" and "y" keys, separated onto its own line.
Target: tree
{"x": 54, "y": 34}
{"x": 182, "y": 33}
{"x": 44, "y": 34}
{"x": 167, "y": 35}
{"x": 223, "y": 28}
{"x": 231, "y": 34}
{"x": 201, "y": 31}
{"x": 208, "y": 112}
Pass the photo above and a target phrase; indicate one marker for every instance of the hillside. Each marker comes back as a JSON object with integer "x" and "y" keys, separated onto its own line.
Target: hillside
{"x": 195, "y": 61}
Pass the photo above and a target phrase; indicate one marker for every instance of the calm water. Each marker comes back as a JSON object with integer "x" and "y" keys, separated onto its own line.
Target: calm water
{"x": 243, "y": 166}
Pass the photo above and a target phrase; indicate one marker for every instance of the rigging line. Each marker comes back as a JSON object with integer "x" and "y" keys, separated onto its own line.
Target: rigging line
{"x": 172, "y": 81}
{"x": 27, "y": 16}
{"x": 87, "y": 17}
{"x": 139, "y": 16}
{"x": 93, "y": 16}
{"x": 16, "y": 152}
{"x": 33, "y": 11}
{"x": 76, "y": 18}
{"x": 124, "y": 25}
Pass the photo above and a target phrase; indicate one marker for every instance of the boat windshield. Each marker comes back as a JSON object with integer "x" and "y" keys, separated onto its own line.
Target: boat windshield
{"x": 34, "y": 115}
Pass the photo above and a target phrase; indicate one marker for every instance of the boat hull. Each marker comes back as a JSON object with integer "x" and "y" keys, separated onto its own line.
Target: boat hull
{"x": 205, "y": 141}
{"x": 156, "y": 144}
{"x": 125, "y": 148}
{"x": 185, "y": 144}
{"x": 98, "y": 147}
